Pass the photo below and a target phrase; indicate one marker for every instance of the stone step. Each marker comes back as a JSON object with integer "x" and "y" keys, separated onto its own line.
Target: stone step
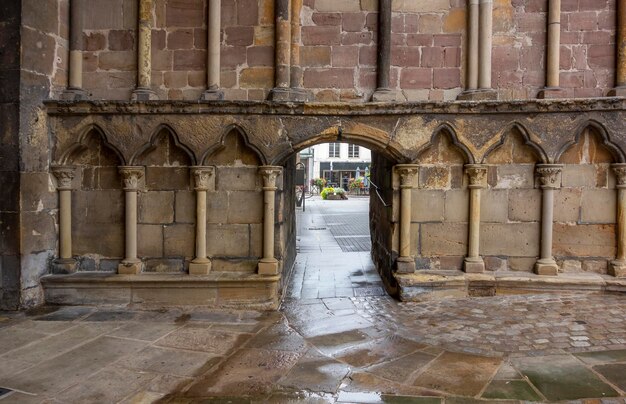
{"x": 431, "y": 285}
{"x": 217, "y": 289}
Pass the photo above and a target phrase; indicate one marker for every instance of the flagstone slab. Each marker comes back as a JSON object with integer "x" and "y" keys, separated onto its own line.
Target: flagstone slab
{"x": 145, "y": 330}
{"x": 379, "y": 350}
{"x": 200, "y": 337}
{"x": 599, "y": 357}
{"x": 614, "y": 373}
{"x": 170, "y": 361}
{"x": 511, "y": 390}
{"x": 562, "y": 377}
{"x": 401, "y": 369}
{"x": 315, "y": 372}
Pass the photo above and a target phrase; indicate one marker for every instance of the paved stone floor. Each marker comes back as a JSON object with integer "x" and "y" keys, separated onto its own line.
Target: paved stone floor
{"x": 337, "y": 338}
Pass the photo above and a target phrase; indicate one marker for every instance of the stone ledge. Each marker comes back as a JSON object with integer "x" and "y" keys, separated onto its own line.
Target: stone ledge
{"x": 431, "y": 285}
{"x": 61, "y": 107}
{"x": 217, "y": 289}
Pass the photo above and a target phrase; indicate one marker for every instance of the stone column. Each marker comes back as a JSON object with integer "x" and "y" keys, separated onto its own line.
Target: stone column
{"x": 201, "y": 264}
{"x": 552, "y": 89}
{"x": 282, "y": 72}
{"x": 618, "y": 266}
{"x": 131, "y": 176}
{"x": 405, "y": 262}
{"x": 383, "y": 64}
{"x": 296, "y": 78}
{"x": 620, "y": 68}
{"x": 549, "y": 180}
{"x": 480, "y": 27}
{"x": 74, "y": 89}
{"x": 268, "y": 265}
{"x": 477, "y": 175}
{"x": 143, "y": 91}
{"x": 213, "y": 92}
{"x": 65, "y": 263}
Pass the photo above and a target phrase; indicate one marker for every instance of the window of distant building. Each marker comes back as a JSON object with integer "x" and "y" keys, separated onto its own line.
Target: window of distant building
{"x": 333, "y": 149}
{"x": 353, "y": 150}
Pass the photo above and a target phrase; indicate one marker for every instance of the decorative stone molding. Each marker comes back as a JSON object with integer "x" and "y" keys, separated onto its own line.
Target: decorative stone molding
{"x": 549, "y": 175}
{"x": 477, "y": 175}
{"x": 269, "y": 175}
{"x": 202, "y": 177}
{"x": 406, "y": 172}
{"x": 64, "y": 176}
{"x": 619, "y": 169}
{"x": 131, "y": 176}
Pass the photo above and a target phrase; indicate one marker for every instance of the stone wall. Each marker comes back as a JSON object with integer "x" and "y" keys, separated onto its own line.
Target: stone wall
{"x": 285, "y": 245}
{"x": 338, "y": 49}
{"x": 9, "y": 155}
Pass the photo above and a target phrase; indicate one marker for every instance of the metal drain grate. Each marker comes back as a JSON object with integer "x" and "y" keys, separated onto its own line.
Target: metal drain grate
{"x": 317, "y": 228}
{"x": 4, "y": 392}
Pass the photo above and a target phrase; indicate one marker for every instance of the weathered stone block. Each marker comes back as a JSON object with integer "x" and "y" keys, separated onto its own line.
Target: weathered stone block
{"x": 522, "y": 264}
{"x": 456, "y": 206}
{"x": 185, "y": 207}
{"x": 231, "y": 240}
{"x": 237, "y": 179}
{"x": 495, "y": 263}
{"x": 105, "y": 239}
{"x": 38, "y": 232}
{"x": 443, "y": 239}
{"x": 525, "y": 205}
{"x": 597, "y": 266}
{"x": 156, "y": 207}
{"x": 420, "y": 7}
{"x": 256, "y": 240}
{"x": 217, "y": 207}
{"x": 427, "y": 205}
{"x": 167, "y": 178}
{"x": 434, "y": 177}
{"x": 89, "y": 207}
{"x": 579, "y": 176}
{"x": 494, "y": 205}
{"x": 337, "y": 6}
{"x": 599, "y": 205}
{"x": 567, "y": 205}
{"x": 257, "y": 77}
{"x": 515, "y": 176}
{"x": 179, "y": 240}
{"x": 514, "y": 239}
{"x": 149, "y": 240}
{"x": 245, "y": 207}
{"x": 37, "y": 191}
{"x": 590, "y": 240}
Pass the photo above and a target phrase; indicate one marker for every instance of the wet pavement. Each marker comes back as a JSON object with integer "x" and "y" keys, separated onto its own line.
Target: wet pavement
{"x": 337, "y": 339}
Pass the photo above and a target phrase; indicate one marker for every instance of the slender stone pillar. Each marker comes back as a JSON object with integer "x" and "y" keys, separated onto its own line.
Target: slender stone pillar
{"x": 131, "y": 176}
{"x": 65, "y": 263}
{"x": 618, "y": 266}
{"x": 213, "y": 92}
{"x": 620, "y": 68}
{"x": 552, "y": 89}
{"x": 282, "y": 73}
{"x": 201, "y": 264}
{"x": 549, "y": 179}
{"x": 298, "y": 93}
{"x": 477, "y": 175}
{"x": 74, "y": 89}
{"x": 383, "y": 63}
{"x": 405, "y": 262}
{"x": 143, "y": 92}
{"x": 480, "y": 27}
{"x": 268, "y": 265}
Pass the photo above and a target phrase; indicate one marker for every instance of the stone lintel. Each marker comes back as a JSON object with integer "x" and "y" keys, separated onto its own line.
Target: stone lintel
{"x": 551, "y": 93}
{"x": 405, "y": 265}
{"x": 143, "y": 94}
{"x": 474, "y": 265}
{"x": 268, "y": 266}
{"x": 200, "y": 268}
{"x": 63, "y": 266}
{"x": 478, "y": 95}
{"x": 546, "y": 267}
{"x": 130, "y": 268}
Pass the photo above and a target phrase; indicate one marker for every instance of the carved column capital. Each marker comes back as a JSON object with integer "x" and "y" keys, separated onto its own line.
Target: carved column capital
{"x": 549, "y": 175}
{"x": 131, "y": 176}
{"x": 202, "y": 176}
{"x": 406, "y": 173}
{"x": 620, "y": 174}
{"x": 477, "y": 175}
{"x": 64, "y": 176}
{"x": 269, "y": 174}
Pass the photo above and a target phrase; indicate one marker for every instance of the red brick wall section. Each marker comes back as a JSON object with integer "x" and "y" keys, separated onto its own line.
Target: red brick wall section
{"x": 339, "y": 48}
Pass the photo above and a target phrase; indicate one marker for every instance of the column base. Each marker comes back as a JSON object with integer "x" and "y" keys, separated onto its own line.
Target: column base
{"x": 474, "y": 265}
{"x": 551, "y": 92}
{"x": 546, "y": 267}
{"x": 618, "y": 269}
{"x": 268, "y": 266}
{"x": 64, "y": 266}
{"x": 74, "y": 94}
{"x": 289, "y": 94}
{"x": 212, "y": 95}
{"x": 385, "y": 95}
{"x": 202, "y": 267}
{"x": 130, "y": 268}
{"x": 405, "y": 265}
{"x": 143, "y": 94}
{"x": 478, "y": 95}
{"x": 617, "y": 92}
